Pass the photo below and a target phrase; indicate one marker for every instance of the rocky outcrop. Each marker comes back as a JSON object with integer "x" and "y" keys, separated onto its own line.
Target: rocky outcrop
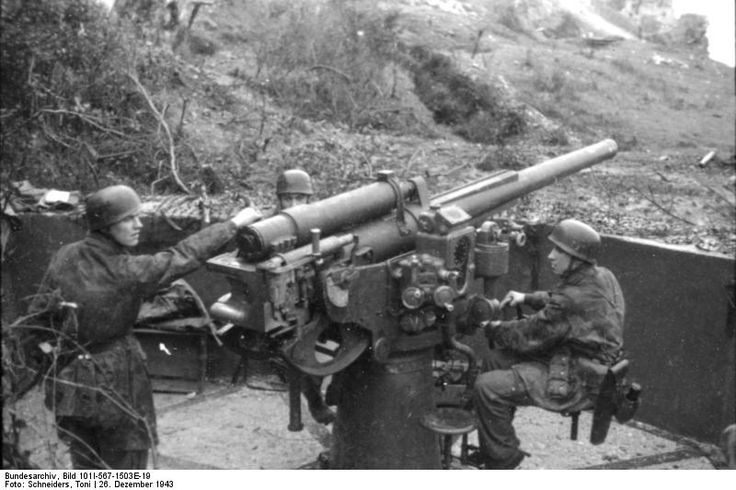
{"x": 655, "y": 21}
{"x": 690, "y": 32}
{"x": 649, "y": 20}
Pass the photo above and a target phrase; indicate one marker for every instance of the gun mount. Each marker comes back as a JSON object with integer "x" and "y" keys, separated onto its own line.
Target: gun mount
{"x": 365, "y": 284}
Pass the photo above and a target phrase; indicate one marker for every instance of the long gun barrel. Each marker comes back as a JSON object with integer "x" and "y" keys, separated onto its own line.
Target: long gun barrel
{"x": 329, "y": 215}
{"x": 364, "y": 211}
{"x": 480, "y": 199}
{"x": 473, "y": 200}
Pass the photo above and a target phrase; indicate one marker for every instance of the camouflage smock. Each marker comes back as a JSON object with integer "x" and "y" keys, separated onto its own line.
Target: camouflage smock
{"x": 106, "y": 385}
{"x": 583, "y": 315}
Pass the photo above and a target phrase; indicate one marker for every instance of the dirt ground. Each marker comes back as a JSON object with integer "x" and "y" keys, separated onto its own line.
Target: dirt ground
{"x": 244, "y": 427}
{"x": 241, "y": 428}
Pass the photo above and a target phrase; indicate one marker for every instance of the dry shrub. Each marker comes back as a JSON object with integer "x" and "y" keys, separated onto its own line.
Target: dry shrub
{"x": 338, "y": 62}
{"x": 502, "y": 157}
{"x": 556, "y": 137}
{"x": 567, "y": 27}
{"x": 623, "y": 65}
{"x": 551, "y": 81}
{"x": 509, "y": 18}
{"x": 330, "y": 61}
{"x": 476, "y": 111}
{"x": 71, "y": 118}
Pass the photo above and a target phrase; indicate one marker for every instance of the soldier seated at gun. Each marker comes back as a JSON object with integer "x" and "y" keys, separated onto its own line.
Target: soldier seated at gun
{"x": 540, "y": 360}
{"x": 294, "y": 187}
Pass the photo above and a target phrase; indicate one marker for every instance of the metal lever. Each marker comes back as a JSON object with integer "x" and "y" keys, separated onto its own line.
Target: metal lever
{"x": 315, "y": 233}
{"x": 316, "y": 251}
{"x": 295, "y": 400}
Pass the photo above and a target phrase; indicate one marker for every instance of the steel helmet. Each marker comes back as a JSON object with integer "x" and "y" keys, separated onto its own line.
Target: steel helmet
{"x": 294, "y": 182}
{"x": 577, "y": 239}
{"x": 111, "y": 205}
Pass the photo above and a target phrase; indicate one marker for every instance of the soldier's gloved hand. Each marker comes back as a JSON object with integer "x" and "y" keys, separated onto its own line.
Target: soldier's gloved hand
{"x": 513, "y": 298}
{"x": 246, "y": 216}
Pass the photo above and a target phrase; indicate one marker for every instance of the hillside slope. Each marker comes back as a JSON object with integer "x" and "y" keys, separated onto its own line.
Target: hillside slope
{"x": 446, "y": 89}
{"x": 667, "y": 107}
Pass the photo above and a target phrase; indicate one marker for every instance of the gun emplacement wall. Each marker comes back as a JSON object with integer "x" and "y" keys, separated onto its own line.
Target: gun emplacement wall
{"x": 680, "y": 328}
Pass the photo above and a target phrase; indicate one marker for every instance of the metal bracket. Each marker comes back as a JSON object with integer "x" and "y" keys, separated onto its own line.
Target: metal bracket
{"x": 422, "y": 191}
{"x": 302, "y": 353}
{"x": 389, "y": 177}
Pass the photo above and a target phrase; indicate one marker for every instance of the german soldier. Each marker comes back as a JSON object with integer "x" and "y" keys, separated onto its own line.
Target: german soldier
{"x": 102, "y": 397}
{"x": 294, "y": 187}
{"x": 540, "y": 360}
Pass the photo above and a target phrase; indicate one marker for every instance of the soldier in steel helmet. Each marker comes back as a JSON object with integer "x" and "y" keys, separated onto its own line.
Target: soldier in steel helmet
{"x": 91, "y": 294}
{"x": 541, "y": 359}
{"x": 294, "y": 187}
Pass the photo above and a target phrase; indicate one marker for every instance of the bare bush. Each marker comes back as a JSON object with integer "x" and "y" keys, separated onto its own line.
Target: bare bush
{"x": 476, "y": 111}
{"x": 36, "y": 349}
{"x": 624, "y": 65}
{"x": 71, "y": 117}
{"x": 551, "y": 81}
{"x": 330, "y": 62}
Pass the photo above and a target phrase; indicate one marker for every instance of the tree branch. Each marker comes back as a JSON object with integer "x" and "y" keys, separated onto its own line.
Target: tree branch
{"x": 661, "y": 208}
{"x": 84, "y": 118}
{"x": 162, "y": 121}
{"x": 345, "y": 76}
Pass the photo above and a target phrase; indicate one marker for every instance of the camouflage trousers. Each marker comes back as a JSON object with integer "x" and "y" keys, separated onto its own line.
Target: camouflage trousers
{"x": 90, "y": 449}
{"x": 510, "y": 380}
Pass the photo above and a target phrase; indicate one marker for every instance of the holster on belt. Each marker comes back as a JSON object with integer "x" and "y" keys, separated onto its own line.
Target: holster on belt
{"x": 609, "y": 398}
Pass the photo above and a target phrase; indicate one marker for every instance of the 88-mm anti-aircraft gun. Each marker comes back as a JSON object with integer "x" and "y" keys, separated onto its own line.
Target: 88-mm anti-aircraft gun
{"x": 366, "y": 284}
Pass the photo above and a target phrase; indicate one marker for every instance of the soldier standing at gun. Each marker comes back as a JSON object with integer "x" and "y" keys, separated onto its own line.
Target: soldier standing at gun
{"x": 294, "y": 187}
{"x": 540, "y": 360}
{"x": 91, "y": 294}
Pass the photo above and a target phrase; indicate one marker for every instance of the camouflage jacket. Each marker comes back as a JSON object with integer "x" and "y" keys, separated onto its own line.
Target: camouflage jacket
{"x": 106, "y": 384}
{"x": 584, "y": 313}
